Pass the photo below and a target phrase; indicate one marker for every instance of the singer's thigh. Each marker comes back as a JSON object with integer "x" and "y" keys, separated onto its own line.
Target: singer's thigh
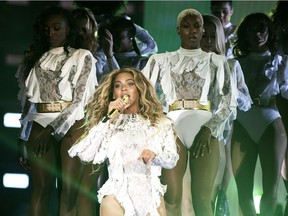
{"x": 161, "y": 209}
{"x": 111, "y": 207}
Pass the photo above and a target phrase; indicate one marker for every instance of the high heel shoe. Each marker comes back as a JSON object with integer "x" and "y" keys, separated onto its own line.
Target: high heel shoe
{"x": 222, "y": 207}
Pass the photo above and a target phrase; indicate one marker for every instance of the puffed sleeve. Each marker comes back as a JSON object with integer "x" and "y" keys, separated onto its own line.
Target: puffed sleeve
{"x": 92, "y": 146}
{"x": 164, "y": 145}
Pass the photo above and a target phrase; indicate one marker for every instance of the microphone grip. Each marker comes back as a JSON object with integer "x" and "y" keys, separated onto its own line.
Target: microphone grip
{"x": 114, "y": 111}
{"x": 110, "y": 115}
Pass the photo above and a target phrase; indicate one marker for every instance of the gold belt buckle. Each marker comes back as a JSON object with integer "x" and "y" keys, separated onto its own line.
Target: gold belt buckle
{"x": 193, "y": 104}
{"x": 52, "y": 107}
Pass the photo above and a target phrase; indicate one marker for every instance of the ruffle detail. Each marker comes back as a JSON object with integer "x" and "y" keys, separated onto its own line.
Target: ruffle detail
{"x": 277, "y": 79}
{"x": 120, "y": 144}
{"x": 166, "y": 158}
{"x": 188, "y": 60}
{"x": 33, "y": 92}
{"x": 50, "y": 61}
{"x": 240, "y": 90}
{"x": 75, "y": 81}
{"x": 176, "y": 62}
{"x": 90, "y": 153}
{"x": 210, "y": 67}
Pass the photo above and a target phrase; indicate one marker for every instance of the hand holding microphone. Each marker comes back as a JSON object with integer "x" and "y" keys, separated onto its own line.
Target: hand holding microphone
{"x": 112, "y": 113}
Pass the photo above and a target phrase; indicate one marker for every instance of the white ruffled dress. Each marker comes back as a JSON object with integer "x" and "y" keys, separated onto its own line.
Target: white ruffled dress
{"x": 136, "y": 185}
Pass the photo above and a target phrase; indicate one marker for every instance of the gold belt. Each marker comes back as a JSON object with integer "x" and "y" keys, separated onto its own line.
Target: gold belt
{"x": 193, "y": 104}
{"x": 58, "y": 106}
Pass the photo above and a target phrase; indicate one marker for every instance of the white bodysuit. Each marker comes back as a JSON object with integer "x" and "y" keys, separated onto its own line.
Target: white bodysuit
{"x": 193, "y": 74}
{"x": 59, "y": 76}
{"x": 136, "y": 185}
{"x": 266, "y": 76}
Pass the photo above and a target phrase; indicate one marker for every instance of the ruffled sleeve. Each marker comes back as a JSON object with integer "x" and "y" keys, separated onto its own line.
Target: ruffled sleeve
{"x": 157, "y": 70}
{"x": 83, "y": 86}
{"x": 152, "y": 69}
{"x": 221, "y": 96}
{"x": 91, "y": 147}
{"x": 276, "y": 72}
{"x": 244, "y": 100}
{"x": 164, "y": 145}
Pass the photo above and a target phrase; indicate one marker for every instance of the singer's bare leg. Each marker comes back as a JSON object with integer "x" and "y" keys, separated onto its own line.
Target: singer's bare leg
{"x": 111, "y": 207}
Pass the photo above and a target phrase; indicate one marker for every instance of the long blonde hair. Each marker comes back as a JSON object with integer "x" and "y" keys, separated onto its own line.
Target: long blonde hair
{"x": 150, "y": 107}
{"x": 220, "y": 36}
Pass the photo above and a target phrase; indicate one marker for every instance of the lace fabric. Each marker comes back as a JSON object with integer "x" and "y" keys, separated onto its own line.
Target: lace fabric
{"x": 193, "y": 74}
{"x": 135, "y": 184}
{"x": 61, "y": 76}
{"x": 242, "y": 94}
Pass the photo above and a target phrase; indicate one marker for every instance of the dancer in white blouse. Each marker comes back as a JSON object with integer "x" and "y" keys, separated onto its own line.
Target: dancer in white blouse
{"x": 58, "y": 81}
{"x": 260, "y": 130}
{"x": 213, "y": 41}
{"x": 136, "y": 143}
{"x": 195, "y": 89}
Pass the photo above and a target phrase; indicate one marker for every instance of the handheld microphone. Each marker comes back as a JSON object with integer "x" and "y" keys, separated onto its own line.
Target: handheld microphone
{"x": 114, "y": 111}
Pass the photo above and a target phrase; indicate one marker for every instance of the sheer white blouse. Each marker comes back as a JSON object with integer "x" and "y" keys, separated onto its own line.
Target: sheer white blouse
{"x": 194, "y": 74}
{"x": 59, "y": 76}
{"x": 135, "y": 184}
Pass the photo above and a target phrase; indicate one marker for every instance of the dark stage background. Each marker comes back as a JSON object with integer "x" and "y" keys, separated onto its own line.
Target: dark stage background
{"x": 16, "y": 19}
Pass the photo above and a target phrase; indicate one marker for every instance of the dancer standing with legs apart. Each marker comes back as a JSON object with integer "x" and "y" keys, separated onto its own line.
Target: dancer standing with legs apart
{"x": 195, "y": 89}
{"x": 259, "y": 131}
{"x": 136, "y": 141}
{"x": 59, "y": 81}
